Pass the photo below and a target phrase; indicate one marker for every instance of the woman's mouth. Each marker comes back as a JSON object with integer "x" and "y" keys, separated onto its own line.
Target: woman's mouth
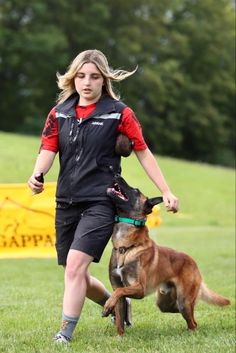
{"x": 87, "y": 90}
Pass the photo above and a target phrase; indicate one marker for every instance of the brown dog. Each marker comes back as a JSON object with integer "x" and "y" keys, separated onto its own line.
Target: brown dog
{"x": 139, "y": 267}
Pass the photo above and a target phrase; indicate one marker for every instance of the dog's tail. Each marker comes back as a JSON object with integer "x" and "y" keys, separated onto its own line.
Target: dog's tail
{"x": 211, "y": 297}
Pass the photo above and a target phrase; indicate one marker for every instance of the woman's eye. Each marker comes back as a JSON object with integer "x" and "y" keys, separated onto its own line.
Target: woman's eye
{"x": 95, "y": 77}
{"x": 80, "y": 75}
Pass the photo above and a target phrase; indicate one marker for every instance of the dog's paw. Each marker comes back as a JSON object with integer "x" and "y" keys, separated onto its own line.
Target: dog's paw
{"x": 106, "y": 312}
{"x": 108, "y": 308}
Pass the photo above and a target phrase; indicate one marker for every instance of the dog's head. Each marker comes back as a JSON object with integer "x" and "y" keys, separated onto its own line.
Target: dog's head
{"x": 130, "y": 202}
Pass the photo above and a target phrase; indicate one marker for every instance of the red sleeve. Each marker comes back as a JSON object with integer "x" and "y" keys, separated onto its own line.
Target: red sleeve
{"x": 131, "y": 127}
{"x": 49, "y": 139}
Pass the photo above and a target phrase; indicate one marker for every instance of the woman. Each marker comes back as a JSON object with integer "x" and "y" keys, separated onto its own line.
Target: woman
{"x": 83, "y": 127}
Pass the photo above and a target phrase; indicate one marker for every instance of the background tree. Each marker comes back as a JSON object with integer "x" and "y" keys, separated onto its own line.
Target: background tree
{"x": 183, "y": 92}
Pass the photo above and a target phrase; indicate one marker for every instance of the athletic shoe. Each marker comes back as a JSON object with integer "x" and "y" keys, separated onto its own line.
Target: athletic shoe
{"x": 59, "y": 338}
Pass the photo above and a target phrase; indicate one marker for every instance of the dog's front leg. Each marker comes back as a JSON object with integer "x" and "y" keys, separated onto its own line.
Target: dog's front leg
{"x": 120, "y": 310}
{"x": 136, "y": 290}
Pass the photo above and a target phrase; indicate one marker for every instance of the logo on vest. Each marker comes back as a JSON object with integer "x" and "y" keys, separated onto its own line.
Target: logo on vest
{"x": 97, "y": 123}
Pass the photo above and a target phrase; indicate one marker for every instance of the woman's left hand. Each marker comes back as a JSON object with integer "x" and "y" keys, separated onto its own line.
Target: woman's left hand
{"x": 171, "y": 202}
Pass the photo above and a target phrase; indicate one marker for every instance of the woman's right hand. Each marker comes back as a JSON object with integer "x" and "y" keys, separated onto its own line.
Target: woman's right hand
{"x": 36, "y": 186}
{"x": 170, "y": 201}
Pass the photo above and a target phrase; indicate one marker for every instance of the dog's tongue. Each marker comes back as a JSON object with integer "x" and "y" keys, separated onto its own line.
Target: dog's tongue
{"x": 120, "y": 195}
{"x": 116, "y": 192}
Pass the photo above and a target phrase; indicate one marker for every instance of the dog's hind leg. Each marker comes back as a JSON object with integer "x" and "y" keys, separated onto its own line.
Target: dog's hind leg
{"x": 187, "y": 311}
{"x": 187, "y": 286}
{"x": 186, "y": 303}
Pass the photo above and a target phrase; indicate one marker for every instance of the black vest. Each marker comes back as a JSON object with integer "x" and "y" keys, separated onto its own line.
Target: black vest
{"x": 87, "y": 150}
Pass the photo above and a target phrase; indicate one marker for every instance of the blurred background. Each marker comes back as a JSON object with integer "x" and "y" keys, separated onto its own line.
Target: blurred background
{"x": 184, "y": 96}
{"x": 183, "y": 92}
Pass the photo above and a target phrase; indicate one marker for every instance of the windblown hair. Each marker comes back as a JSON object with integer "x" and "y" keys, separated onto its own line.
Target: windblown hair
{"x": 66, "y": 82}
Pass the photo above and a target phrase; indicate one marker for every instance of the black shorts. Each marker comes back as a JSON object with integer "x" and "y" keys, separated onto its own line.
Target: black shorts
{"x": 86, "y": 226}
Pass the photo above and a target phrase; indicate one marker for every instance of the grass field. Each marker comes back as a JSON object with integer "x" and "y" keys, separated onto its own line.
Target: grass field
{"x": 31, "y": 289}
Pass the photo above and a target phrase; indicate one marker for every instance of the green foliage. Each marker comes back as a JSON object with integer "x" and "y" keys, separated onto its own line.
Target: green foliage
{"x": 183, "y": 92}
{"x": 29, "y": 42}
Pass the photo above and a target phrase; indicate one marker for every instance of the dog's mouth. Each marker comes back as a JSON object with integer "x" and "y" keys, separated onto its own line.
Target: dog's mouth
{"x": 117, "y": 192}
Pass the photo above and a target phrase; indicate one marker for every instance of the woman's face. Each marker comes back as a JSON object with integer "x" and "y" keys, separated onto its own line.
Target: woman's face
{"x": 88, "y": 84}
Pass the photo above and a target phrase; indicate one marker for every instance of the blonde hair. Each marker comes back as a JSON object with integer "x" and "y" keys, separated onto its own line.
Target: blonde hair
{"x": 66, "y": 82}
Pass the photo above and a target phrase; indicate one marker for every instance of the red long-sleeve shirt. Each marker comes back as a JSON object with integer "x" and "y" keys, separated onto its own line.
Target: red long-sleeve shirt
{"x": 129, "y": 126}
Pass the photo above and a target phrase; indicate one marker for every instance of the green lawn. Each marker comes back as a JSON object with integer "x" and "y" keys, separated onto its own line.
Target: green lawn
{"x": 206, "y": 193}
{"x": 31, "y": 289}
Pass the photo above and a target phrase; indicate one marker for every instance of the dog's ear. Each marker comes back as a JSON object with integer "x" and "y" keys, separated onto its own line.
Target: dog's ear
{"x": 150, "y": 203}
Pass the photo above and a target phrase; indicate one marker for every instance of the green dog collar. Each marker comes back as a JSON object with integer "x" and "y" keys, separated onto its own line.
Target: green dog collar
{"x": 135, "y": 222}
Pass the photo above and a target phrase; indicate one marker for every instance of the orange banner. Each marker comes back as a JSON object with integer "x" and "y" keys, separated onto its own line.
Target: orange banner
{"x": 27, "y": 221}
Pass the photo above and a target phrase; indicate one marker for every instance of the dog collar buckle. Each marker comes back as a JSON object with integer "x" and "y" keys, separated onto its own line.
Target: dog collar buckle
{"x": 135, "y": 222}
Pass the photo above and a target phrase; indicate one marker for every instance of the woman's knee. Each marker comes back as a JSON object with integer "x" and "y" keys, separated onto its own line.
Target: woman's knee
{"x": 77, "y": 265}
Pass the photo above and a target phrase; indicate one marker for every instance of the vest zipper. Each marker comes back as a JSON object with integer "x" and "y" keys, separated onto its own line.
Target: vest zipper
{"x": 77, "y": 153}
{"x": 71, "y": 132}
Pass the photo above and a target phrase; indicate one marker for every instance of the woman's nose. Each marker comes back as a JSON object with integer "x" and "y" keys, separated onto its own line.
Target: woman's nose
{"x": 87, "y": 80}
